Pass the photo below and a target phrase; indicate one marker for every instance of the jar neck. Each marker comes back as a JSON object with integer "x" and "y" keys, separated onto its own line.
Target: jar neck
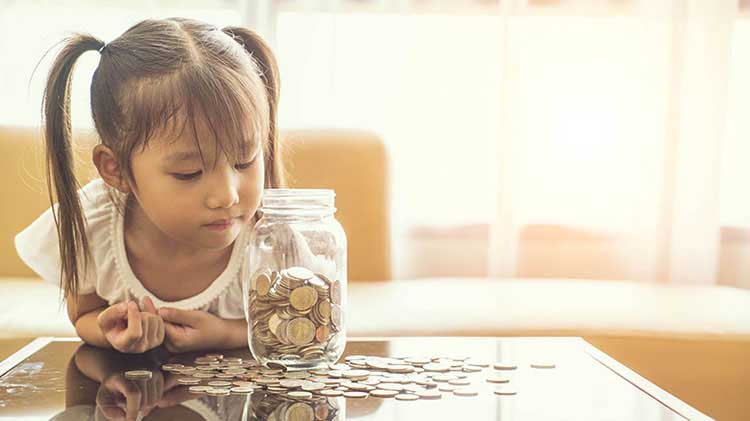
{"x": 297, "y": 203}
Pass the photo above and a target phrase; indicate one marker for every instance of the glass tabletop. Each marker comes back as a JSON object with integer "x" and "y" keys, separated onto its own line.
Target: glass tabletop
{"x": 62, "y": 379}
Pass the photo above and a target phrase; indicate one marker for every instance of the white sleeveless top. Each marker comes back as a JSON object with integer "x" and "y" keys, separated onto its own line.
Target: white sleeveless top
{"x": 110, "y": 274}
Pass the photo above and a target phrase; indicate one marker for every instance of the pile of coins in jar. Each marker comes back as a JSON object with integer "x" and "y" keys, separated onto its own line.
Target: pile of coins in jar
{"x": 295, "y": 314}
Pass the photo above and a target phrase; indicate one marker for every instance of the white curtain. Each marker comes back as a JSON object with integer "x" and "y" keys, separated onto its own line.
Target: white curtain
{"x": 586, "y": 139}
{"x": 630, "y": 144}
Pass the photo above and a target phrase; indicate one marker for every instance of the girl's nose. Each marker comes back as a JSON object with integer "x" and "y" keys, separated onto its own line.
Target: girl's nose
{"x": 223, "y": 190}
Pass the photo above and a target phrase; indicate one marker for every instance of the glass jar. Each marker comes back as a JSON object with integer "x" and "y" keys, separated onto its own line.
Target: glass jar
{"x": 295, "y": 280}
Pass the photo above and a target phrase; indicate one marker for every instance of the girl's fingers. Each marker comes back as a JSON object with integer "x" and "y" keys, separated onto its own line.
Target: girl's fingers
{"x": 111, "y": 316}
{"x": 148, "y": 306}
{"x": 135, "y": 329}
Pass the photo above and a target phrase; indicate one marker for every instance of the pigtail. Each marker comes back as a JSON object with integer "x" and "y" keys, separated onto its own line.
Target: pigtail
{"x": 264, "y": 58}
{"x": 69, "y": 218}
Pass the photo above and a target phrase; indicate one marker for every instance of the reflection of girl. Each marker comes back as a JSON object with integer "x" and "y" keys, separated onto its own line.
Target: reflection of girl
{"x": 96, "y": 389}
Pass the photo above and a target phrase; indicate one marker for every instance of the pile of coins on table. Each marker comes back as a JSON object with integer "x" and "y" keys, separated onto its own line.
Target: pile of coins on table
{"x": 405, "y": 379}
{"x": 295, "y": 314}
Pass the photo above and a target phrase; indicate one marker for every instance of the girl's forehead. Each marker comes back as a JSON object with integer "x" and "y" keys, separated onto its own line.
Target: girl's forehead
{"x": 194, "y": 140}
{"x": 208, "y": 149}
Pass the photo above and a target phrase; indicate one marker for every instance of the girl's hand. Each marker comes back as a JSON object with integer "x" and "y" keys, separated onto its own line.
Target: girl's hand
{"x": 190, "y": 330}
{"x": 130, "y": 330}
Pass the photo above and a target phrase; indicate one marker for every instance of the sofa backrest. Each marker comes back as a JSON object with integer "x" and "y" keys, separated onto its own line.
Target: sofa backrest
{"x": 353, "y": 163}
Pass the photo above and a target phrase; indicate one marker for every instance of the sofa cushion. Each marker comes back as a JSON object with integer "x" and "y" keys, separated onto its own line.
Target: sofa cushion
{"x": 534, "y": 307}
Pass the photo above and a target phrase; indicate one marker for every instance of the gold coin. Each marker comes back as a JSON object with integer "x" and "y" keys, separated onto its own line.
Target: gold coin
{"x": 263, "y": 284}
{"x": 356, "y": 395}
{"x": 324, "y": 308}
{"x": 219, "y": 384}
{"x": 447, "y": 388}
{"x": 429, "y": 394}
{"x": 356, "y": 374}
{"x": 336, "y": 316}
{"x": 298, "y": 273}
{"x": 273, "y": 323}
{"x": 331, "y": 392}
{"x": 465, "y": 391}
{"x": 406, "y": 397}
{"x": 391, "y": 386}
{"x": 543, "y": 365}
{"x": 380, "y": 393}
{"x": 322, "y": 333}
{"x": 497, "y": 379}
{"x": 335, "y": 292}
{"x": 300, "y": 331}
{"x": 504, "y": 366}
{"x": 297, "y": 394}
{"x": 303, "y": 298}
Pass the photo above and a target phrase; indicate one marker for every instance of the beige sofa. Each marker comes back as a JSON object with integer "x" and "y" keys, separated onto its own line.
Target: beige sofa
{"x": 692, "y": 341}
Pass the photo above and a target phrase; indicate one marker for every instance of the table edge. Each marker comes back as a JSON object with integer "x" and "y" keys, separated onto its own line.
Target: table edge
{"x": 654, "y": 391}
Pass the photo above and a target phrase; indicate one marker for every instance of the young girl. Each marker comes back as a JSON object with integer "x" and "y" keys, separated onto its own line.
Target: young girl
{"x": 150, "y": 253}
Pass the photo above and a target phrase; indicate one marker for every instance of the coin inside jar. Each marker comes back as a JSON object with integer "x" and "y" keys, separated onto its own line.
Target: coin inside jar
{"x": 303, "y": 298}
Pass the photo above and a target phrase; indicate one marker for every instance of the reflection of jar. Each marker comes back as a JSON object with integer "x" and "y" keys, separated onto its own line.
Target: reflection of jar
{"x": 262, "y": 405}
{"x": 295, "y": 280}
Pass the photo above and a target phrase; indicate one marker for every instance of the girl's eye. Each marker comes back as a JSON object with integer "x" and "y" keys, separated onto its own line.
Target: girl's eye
{"x": 244, "y": 166}
{"x": 186, "y": 177}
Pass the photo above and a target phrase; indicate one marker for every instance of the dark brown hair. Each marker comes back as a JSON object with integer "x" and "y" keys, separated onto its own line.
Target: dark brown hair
{"x": 158, "y": 77}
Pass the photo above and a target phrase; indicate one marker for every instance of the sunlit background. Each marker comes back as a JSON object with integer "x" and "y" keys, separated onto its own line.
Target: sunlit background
{"x": 529, "y": 138}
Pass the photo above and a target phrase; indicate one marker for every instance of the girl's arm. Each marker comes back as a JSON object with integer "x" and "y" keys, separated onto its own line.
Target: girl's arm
{"x": 120, "y": 326}
{"x": 83, "y": 311}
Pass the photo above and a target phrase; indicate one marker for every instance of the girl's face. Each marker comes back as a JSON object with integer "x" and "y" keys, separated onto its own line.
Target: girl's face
{"x": 200, "y": 204}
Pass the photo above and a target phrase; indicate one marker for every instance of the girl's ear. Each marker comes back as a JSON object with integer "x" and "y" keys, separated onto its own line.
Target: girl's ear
{"x": 108, "y": 168}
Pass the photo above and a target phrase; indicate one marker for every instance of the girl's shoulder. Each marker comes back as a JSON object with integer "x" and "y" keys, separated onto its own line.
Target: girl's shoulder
{"x": 37, "y": 245}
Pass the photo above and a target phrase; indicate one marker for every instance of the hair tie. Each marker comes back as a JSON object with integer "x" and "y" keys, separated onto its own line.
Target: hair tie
{"x": 102, "y": 48}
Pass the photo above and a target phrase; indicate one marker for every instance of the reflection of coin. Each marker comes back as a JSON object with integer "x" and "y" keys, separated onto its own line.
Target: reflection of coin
{"x": 138, "y": 374}
{"x": 505, "y": 391}
{"x": 299, "y": 412}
